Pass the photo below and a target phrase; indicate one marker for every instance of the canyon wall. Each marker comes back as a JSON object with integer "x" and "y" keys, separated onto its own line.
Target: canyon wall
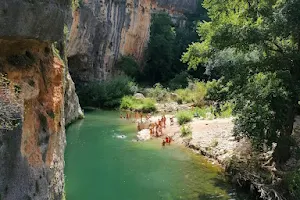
{"x": 103, "y": 30}
{"x": 32, "y": 155}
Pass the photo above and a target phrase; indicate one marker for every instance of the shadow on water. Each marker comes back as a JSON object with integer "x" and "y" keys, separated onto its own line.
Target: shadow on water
{"x": 224, "y": 183}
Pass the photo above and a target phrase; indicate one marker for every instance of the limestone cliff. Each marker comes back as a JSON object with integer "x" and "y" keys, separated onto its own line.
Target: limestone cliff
{"x": 102, "y": 30}
{"x": 72, "y": 108}
{"x": 32, "y": 155}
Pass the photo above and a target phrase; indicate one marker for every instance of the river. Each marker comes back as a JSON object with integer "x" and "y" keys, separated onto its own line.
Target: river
{"x": 101, "y": 166}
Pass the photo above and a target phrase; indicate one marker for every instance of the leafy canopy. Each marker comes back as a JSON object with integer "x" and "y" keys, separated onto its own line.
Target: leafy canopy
{"x": 253, "y": 46}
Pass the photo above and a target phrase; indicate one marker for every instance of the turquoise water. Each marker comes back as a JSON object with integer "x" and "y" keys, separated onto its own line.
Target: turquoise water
{"x": 100, "y": 166}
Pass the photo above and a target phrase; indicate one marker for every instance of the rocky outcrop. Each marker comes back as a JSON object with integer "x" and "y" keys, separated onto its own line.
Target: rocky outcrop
{"x": 95, "y": 38}
{"x": 102, "y": 31}
{"x": 72, "y": 107}
{"x": 32, "y": 155}
{"x": 42, "y": 20}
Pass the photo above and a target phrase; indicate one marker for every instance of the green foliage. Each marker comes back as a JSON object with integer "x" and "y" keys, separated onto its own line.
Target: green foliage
{"x": 261, "y": 108}
{"x": 254, "y": 47}
{"x": 166, "y": 44}
{"x": 292, "y": 181}
{"x": 129, "y": 66}
{"x": 77, "y": 4}
{"x": 184, "y": 117}
{"x": 202, "y": 112}
{"x": 145, "y": 105}
{"x": 216, "y": 91}
{"x": 185, "y": 130}
{"x": 184, "y": 95}
{"x": 194, "y": 93}
{"x": 179, "y": 81}
{"x": 227, "y": 110}
{"x": 160, "y": 48}
{"x": 158, "y": 92}
{"x": 207, "y": 112}
{"x": 106, "y": 94}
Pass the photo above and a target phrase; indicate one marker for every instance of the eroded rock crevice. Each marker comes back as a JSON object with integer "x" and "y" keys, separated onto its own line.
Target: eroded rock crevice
{"x": 32, "y": 155}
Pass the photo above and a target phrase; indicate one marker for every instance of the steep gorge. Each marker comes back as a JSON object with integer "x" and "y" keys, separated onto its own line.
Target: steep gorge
{"x": 102, "y": 31}
{"x": 98, "y": 32}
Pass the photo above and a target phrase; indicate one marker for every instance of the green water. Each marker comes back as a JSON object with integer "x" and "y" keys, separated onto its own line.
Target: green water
{"x": 100, "y": 166}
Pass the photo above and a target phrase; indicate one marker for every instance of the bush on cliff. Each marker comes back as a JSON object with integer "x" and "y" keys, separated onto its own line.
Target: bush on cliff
{"x": 10, "y": 104}
{"x": 105, "y": 94}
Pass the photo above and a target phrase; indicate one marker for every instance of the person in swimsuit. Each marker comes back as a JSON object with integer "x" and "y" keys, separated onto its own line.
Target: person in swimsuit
{"x": 163, "y": 143}
{"x": 167, "y": 139}
{"x": 170, "y": 139}
{"x": 160, "y": 130}
{"x": 171, "y": 121}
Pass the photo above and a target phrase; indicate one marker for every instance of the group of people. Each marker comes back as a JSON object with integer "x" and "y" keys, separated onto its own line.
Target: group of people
{"x": 156, "y": 128}
{"x": 137, "y": 116}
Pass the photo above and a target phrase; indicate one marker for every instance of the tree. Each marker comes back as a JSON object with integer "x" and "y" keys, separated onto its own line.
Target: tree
{"x": 254, "y": 45}
{"x": 160, "y": 48}
{"x": 129, "y": 66}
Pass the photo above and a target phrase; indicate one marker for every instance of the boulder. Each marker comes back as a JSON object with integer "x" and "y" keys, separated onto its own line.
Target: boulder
{"x": 144, "y": 135}
{"x": 139, "y": 96}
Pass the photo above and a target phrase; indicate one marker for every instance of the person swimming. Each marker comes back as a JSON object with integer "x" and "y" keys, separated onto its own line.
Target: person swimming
{"x": 163, "y": 143}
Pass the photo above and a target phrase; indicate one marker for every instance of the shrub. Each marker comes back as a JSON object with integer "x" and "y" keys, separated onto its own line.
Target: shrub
{"x": 106, "y": 94}
{"x": 292, "y": 181}
{"x": 199, "y": 93}
{"x": 217, "y": 91}
{"x": 179, "y": 81}
{"x": 184, "y": 117}
{"x": 202, "y": 112}
{"x": 158, "y": 92}
{"x": 226, "y": 110}
{"x": 194, "y": 93}
{"x": 185, "y": 130}
{"x": 146, "y": 105}
{"x": 184, "y": 95}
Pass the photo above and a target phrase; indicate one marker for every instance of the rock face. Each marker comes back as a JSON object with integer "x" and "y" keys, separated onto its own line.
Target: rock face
{"x": 33, "y": 19}
{"x": 32, "y": 155}
{"x": 72, "y": 108}
{"x": 101, "y": 31}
